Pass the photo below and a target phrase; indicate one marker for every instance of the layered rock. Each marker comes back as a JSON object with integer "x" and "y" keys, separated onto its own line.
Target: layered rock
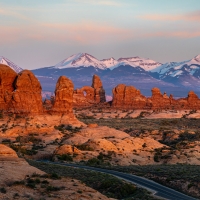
{"x": 87, "y": 96}
{"x": 128, "y": 97}
{"x": 7, "y": 77}
{"x": 26, "y": 97}
{"x": 158, "y": 100}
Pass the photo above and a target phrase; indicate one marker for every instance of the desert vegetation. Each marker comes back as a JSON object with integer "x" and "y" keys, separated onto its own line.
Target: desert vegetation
{"x": 106, "y": 184}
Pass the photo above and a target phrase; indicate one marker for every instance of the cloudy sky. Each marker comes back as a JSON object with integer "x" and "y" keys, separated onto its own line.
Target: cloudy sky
{"x": 41, "y": 33}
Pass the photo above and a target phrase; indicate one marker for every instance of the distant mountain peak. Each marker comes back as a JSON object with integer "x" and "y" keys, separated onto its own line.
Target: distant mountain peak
{"x": 80, "y": 60}
{"x": 108, "y": 59}
{"x": 9, "y": 63}
{"x": 197, "y": 58}
{"x": 145, "y": 63}
{"x": 87, "y": 60}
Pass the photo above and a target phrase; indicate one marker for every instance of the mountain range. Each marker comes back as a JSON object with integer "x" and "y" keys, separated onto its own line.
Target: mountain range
{"x": 175, "y": 78}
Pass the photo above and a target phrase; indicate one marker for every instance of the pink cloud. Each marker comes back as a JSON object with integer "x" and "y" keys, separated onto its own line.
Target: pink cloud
{"x": 178, "y": 34}
{"x": 83, "y": 32}
{"x": 192, "y": 16}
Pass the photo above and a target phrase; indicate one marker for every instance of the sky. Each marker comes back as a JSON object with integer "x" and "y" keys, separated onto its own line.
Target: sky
{"x": 41, "y": 33}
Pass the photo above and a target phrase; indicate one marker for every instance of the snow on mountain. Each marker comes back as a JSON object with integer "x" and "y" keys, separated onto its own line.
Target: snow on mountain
{"x": 9, "y": 63}
{"x": 145, "y": 63}
{"x": 80, "y": 60}
{"x": 110, "y": 62}
{"x": 86, "y": 60}
{"x": 175, "y": 69}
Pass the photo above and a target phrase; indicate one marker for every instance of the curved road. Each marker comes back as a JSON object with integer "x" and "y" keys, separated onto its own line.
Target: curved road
{"x": 158, "y": 189}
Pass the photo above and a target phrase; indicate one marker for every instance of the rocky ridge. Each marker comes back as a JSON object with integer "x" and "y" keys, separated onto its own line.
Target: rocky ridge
{"x": 131, "y": 98}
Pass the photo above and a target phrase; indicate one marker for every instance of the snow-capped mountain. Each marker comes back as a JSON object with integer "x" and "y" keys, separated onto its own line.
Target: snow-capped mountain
{"x": 110, "y": 62}
{"x": 87, "y": 60}
{"x": 174, "y": 77}
{"x": 145, "y": 63}
{"x": 9, "y": 63}
{"x": 80, "y": 60}
{"x": 177, "y": 69}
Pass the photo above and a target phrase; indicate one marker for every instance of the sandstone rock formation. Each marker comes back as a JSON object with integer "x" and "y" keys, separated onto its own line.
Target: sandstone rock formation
{"x": 128, "y": 97}
{"x": 26, "y": 98}
{"x": 7, "y": 77}
{"x": 99, "y": 92}
{"x": 158, "y": 100}
{"x": 116, "y": 145}
{"x": 131, "y": 98}
{"x": 63, "y": 96}
{"x": 87, "y": 96}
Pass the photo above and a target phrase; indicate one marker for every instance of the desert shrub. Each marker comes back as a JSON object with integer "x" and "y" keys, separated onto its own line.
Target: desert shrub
{"x": 31, "y": 183}
{"x": 6, "y": 141}
{"x": 93, "y": 161}
{"x": 65, "y": 157}
{"x": 3, "y": 190}
{"x": 1, "y": 115}
{"x": 84, "y": 147}
{"x": 53, "y": 188}
{"x": 45, "y": 182}
{"x": 55, "y": 176}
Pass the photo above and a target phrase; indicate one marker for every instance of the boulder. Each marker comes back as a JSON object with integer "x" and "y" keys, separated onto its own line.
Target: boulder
{"x": 66, "y": 149}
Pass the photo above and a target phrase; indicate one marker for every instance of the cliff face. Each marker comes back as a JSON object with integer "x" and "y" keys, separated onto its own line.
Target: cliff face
{"x": 7, "y": 78}
{"x": 26, "y": 97}
{"x": 130, "y": 98}
{"x": 87, "y": 96}
{"x": 127, "y": 97}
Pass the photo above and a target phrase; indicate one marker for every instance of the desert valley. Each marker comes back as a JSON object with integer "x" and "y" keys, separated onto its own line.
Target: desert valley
{"x": 100, "y": 100}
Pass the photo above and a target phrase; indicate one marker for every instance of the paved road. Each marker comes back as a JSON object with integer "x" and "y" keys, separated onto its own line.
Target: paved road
{"x": 158, "y": 189}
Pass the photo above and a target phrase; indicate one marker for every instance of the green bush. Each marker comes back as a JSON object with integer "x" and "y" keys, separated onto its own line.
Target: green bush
{"x": 3, "y": 190}
{"x": 65, "y": 157}
{"x": 84, "y": 147}
{"x": 54, "y": 176}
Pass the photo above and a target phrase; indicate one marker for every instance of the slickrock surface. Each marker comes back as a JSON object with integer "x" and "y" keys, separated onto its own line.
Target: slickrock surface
{"x": 120, "y": 147}
{"x": 67, "y": 189}
{"x": 13, "y": 168}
